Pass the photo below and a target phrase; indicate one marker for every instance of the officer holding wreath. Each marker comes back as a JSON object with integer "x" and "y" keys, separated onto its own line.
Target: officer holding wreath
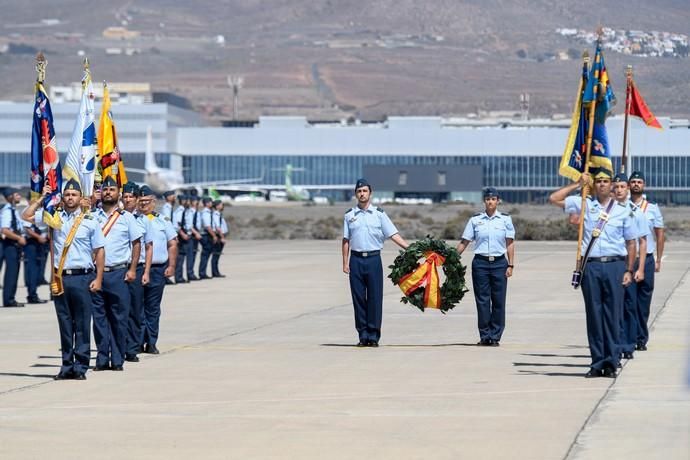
{"x": 365, "y": 228}
{"x": 493, "y": 235}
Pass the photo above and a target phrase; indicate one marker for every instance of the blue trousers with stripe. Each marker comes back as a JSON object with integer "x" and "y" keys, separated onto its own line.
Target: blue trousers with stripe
{"x": 366, "y": 286}
{"x": 73, "y": 309}
{"x": 12, "y": 253}
{"x": 153, "y": 295}
{"x": 490, "y": 285}
{"x": 110, "y": 318}
{"x": 135, "y": 326}
{"x": 645, "y": 289}
{"x": 603, "y": 293}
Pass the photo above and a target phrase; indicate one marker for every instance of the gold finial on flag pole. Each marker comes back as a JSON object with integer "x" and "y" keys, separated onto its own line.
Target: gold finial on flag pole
{"x": 41, "y": 64}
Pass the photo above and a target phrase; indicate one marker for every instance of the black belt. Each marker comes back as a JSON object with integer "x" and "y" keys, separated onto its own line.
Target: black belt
{"x": 365, "y": 253}
{"x": 76, "y": 271}
{"x": 115, "y": 267}
{"x": 491, "y": 258}
{"x": 606, "y": 259}
{"x": 163, "y": 264}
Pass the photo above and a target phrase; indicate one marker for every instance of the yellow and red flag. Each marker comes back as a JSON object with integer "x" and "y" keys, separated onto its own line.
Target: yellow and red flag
{"x": 638, "y": 107}
{"x": 109, "y": 158}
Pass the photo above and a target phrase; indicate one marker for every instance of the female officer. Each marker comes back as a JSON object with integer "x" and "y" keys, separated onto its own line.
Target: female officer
{"x": 493, "y": 235}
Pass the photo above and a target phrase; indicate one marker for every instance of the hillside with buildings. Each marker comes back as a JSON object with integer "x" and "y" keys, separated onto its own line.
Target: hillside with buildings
{"x": 332, "y": 60}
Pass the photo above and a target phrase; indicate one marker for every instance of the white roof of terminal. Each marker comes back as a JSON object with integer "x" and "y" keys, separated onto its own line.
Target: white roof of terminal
{"x": 419, "y": 136}
{"x": 295, "y": 135}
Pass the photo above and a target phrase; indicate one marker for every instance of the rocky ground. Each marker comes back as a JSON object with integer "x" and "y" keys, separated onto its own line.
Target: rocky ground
{"x": 301, "y": 221}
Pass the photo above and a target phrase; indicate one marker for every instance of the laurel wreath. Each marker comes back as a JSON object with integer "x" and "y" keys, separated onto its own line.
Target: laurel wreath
{"x": 453, "y": 288}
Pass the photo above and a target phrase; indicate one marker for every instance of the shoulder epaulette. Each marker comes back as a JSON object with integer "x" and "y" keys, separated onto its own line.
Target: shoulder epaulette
{"x": 155, "y": 214}
{"x": 476, "y": 214}
{"x": 620, "y": 204}
{"x": 121, "y": 211}
{"x": 379, "y": 209}
{"x": 88, "y": 216}
{"x": 505, "y": 214}
{"x": 348, "y": 210}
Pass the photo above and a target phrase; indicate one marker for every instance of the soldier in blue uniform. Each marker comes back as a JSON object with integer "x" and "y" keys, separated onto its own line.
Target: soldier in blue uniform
{"x": 217, "y": 222}
{"x": 655, "y": 242}
{"x": 365, "y": 228}
{"x": 608, "y": 269}
{"x": 112, "y": 304}
{"x": 163, "y": 259}
{"x": 34, "y": 259}
{"x": 208, "y": 237}
{"x": 195, "y": 218}
{"x": 629, "y": 325}
{"x": 493, "y": 235}
{"x": 183, "y": 225}
{"x": 135, "y": 326}
{"x": 13, "y": 245}
{"x": 80, "y": 282}
{"x": 167, "y": 208}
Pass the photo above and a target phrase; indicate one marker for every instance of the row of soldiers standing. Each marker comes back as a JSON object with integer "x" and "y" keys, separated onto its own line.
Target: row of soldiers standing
{"x": 111, "y": 264}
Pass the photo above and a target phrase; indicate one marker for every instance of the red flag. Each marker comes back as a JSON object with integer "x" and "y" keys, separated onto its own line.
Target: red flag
{"x": 638, "y": 108}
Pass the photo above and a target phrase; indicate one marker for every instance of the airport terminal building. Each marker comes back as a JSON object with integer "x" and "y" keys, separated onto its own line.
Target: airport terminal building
{"x": 424, "y": 157}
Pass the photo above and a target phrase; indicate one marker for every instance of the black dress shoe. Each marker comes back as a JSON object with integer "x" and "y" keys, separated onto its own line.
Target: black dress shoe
{"x": 593, "y": 373}
{"x": 64, "y": 376}
{"x": 628, "y": 355}
{"x": 118, "y": 368}
{"x": 193, "y": 278}
{"x": 168, "y": 281}
{"x": 494, "y": 343}
{"x": 219, "y": 276}
{"x": 610, "y": 373}
{"x": 132, "y": 358}
{"x": 80, "y": 377}
{"x": 362, "y": 343}
{"x": 35, "y": 300}
{"x": 14, "y": 304}
{"x": 204, "y": 277}
{"x": 151, "y": 349}
{"x": 641, "y": 347}
{"x": 180, "y": 281}
{"x": 484, "y": 343}
{"x": 98, "y": 368}
{"x": 373, "y": 344}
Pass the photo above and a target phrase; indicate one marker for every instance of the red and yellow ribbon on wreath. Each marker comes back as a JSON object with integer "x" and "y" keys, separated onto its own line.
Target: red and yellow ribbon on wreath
{"x": 426, "y": 275}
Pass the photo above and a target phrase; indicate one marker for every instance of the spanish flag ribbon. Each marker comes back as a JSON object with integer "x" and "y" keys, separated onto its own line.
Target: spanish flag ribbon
{"x": 425, "y": 275}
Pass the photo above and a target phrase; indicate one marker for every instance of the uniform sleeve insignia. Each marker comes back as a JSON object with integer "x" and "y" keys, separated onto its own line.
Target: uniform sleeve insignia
{"x": 380, "y": 210}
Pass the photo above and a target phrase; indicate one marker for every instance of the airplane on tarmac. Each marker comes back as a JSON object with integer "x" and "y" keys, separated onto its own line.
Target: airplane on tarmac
{"x": 286, "y": 191}
{"x": 163, "y": 179}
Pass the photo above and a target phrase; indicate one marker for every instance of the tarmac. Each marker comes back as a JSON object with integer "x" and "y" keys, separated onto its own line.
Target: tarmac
{"x": 262, "y": 365}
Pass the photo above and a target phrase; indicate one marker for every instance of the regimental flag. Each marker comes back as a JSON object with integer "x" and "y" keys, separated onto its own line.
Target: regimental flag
{"x": 80, "y": 163}
{"x": 573, "y": 160}
{"x": 638, "y": 107}
{"x": 599, "y": 87}
{"x": 45, "y": 162}
{"x": 109, "y": 159}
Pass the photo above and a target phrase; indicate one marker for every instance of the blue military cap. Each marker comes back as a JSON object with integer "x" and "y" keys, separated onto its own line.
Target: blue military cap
{"x": 73, "y": 184}
{"x": 490, "y": 192}
{"x": 168, "y": 193}
{"x": 362, "y": 183}
{"x": 145, "y": 190}
{"x": 130, "y": 187}
{"x": 620, "y": 177}
{"x": 9, "y": 191}
{"x": 637, "y": 175}
{"x": 215, "y": 203}
{"x": 598, "y": 173}
{"x": 194, "y": 197}
{"x": 206, "y": 199}
{"x": 109, "y": 181}
{"x": 182, "y": 197}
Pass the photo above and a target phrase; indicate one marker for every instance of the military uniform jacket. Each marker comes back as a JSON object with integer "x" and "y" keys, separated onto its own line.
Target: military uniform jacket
{"x": 489, "y": 233}
{"x": 367, "y": 229}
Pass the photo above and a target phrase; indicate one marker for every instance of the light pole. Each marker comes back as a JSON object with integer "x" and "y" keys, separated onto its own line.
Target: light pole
{"x": 235, "y": 82}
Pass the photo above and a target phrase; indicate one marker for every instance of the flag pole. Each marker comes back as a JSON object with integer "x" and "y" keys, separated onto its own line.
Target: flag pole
{"x": 41, "y": 65}
{"x": 84, "y": 84}
{"x": 628, "y": 101}
{"x": 585, "y": 187}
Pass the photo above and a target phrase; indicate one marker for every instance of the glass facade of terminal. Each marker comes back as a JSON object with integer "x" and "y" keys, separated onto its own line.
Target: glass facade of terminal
{"x": 519, "y": 178}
